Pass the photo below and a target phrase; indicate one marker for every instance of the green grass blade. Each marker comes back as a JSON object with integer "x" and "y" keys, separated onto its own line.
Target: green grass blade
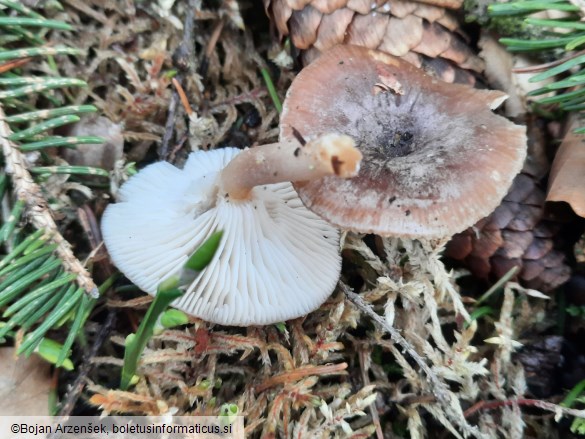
{"x": 499, "y": 284}
{"x": 271, "y": 90}
{"x": 204, "y": 254}
{"x": 478, "y": 313}
{"x": 135, "y": 343}
{"x": 50, "y": 351}
{"x": 575, "y": 392}
{"x": 166, "y": 293}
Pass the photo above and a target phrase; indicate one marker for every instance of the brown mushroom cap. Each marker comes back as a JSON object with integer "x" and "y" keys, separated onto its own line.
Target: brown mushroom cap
{"x": 436, "y": 159}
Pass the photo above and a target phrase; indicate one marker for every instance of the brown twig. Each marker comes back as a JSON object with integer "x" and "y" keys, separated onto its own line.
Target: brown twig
{"x": 299, "y": 373}
{"x": 182, "y": 59}
{"x": 169, "y": 126}
{"x": 27, "y": 190}
{"x": 214, "y": 37}
{"x": 90, "y": 226}
{"x": 546, "y": 66}
{"x": 182, "y": 96}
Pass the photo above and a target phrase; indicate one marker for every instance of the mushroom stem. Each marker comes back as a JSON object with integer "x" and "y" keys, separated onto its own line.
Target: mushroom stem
{"x": 330, "y": 154}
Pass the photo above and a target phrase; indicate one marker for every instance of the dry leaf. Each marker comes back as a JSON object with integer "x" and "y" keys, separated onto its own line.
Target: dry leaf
{"x": 24, "y": 385}
{"x": 498, "y": 70}
{"x": 567, "y": 176}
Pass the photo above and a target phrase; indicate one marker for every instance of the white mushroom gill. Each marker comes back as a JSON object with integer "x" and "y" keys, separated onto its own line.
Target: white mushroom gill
{"x": 276, "y": 261}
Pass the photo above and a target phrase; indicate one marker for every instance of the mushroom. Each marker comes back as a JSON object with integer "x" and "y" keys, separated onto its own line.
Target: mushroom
{"x": 436, "y": 158}
{"x": 276, "y": 261}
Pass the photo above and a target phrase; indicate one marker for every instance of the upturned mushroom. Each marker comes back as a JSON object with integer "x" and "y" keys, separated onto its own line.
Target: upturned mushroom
{"x": 276, "y": 261}
{"x": 436, "y": 158}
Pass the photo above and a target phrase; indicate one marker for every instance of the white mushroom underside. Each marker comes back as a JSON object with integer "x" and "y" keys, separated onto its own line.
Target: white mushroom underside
{"x": 276, "y": 261}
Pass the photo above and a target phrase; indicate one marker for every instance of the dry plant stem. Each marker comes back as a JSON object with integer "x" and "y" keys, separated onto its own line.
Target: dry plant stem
{"x": 90, "y": 226}
{"x": 544, "y": 405}
{"x": 182, "y": 96}
{"x": 214, "y": 37}
{"x": 7, "y": 66}
{"x": 366, "y": 380}
{"x": 27, "y": 190}
{"x": 549, "y": 65}
{"x": 182, "y": 60}
{"x": 170, "y": 125}
{"x": 299, "y": 373}
{"x": 331, "y": 154}
{"x": 438, "y": 387}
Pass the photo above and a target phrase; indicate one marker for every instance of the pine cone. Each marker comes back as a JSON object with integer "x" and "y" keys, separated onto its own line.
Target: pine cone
{"x": 515, "y": 234}
{"x": 425, "y": 35}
